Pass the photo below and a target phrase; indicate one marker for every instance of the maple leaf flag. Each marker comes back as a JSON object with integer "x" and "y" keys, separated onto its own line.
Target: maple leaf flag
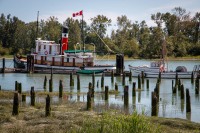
{"x": 80, "y": 13}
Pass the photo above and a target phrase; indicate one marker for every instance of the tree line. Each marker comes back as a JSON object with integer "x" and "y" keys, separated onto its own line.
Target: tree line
{"x": 178, "y": 29}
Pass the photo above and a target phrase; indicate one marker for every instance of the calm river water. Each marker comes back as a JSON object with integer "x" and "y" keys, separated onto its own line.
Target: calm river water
{"x": 170, "y": 105}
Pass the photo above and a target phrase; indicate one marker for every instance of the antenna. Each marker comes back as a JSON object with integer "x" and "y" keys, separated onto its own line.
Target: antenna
{"x": 37, "y": 25}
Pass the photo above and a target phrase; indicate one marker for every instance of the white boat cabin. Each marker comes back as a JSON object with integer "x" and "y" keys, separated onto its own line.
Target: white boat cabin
{"x": 48, "y": 53}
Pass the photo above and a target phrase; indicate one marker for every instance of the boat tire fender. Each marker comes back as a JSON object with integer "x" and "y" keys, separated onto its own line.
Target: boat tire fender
{"x": 45, "y": 52}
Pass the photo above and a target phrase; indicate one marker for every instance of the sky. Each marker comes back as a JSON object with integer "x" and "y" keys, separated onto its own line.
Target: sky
{"x": 135, "y": 10}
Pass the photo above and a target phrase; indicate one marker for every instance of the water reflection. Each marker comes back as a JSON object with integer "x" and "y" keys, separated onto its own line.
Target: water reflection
{"x": 170, "y": 105}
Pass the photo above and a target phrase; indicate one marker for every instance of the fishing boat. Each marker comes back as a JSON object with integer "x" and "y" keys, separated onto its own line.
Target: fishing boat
{"x": 50, "y": 55}
{"x": 160, "y": 66}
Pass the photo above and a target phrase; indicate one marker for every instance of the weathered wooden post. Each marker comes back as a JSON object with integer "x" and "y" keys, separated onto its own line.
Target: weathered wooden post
{"x": 134, "y": 89}
{"x": 139, "y": 82}
{"x": 48, "y": 106}
{"x": 123, "y": 79}
{"x": 174, "y": 90}
{"x": 20, "y": 88}
{"x": 197, "y": 86}
{"x": 45, "y": 82}
{"x": 188, "y": 104}
{"x": 153, "y": 104}
{"x": 142, "y": 77}
{"x": 97, "y": 83}
{"x": 192, "y": 77}
{"x": 3, "y": 69}
{"x": 16, "y": 86}
{"x": 112, "y": 76}
{"x": 102, "y": 80}
{"x": 147, "y": 84}
{"x": 30, "y": 63}
{"x": 172, "y": 85}
{"x": 50, "y": 85}
{"x": 71, "y": 80}
{"x": 78, "y": 82}
{"x": 182, "y": 91}
{"x": 91, "y": 89}
{"x": 93, "y": 79}
{"x": 60, "y": 89}
{"x": 89, "y": 102}
{"x": 15, "y": 104}
{"x": 116, "y": 86}
{"x": 23, "y": 97}
{"x": 130, "y": 76}
{"x": 126, "y": 96}
{"x": 119, "y": 64}
{"x": 106, "y": 92}
{"x": 179, "y": 84}
{"x": 176, "y": 82}
{"x": 32, "y": 96}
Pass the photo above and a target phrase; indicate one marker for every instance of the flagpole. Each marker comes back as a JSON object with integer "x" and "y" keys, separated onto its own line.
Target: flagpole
{"x": 83, "y": 34}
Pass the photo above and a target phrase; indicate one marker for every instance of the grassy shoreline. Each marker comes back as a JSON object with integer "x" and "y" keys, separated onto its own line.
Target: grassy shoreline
{"x": 72, "y": 116}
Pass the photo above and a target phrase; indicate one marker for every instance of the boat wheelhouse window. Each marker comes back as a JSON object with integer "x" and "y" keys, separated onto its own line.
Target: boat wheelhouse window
{"x": 44, "y": 46}
{"x": 67, "y": 59}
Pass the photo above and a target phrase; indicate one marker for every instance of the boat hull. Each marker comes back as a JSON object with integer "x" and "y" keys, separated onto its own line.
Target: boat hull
{"x": 165, "y": 75}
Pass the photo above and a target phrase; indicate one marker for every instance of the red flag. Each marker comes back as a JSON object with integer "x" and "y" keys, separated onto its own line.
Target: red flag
{"x": 80, "y": 13}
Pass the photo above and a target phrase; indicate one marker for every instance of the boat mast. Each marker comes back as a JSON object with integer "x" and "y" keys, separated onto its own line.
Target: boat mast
{"x": 83, "y": 40}
{"x": 37, "y": 25}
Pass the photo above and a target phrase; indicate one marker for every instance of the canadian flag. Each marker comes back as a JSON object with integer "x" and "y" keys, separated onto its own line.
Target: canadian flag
{"x": 80, "y": 13}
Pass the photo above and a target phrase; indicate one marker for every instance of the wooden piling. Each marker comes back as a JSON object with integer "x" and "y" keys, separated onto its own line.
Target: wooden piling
{"x": 30, "y": 63}
{"x": 147, "y": 83}
{"x": 126, "y": 96}
{"x": 45, "y": 82}
{"x": 139, "y": 82}
{"x": 176, "y": 82}
{"x": 93, "y": 79}
{"x": 172, "y": 85}
{"x": 192, "y": 77}
{"x": 123, "y": 79}
{"x": 179, "y": 84}
{"x": 50, "y": 86}
{"x": 15, "y": 104}
{"x": 174, "y": 90}
{"x": 20, "y": 88}
{"x": 71, "y": 79}
{"x": 106, "y": 92}
{"x": 153, "y": 104}
{"x": 91, "y": 89}
{"x": 119, "y": 64}
{"x": 112, "y": 76}
{"x": 97, "y": 83}
{"x": 48, "y": 106}
{"x": 23, "y": 97}
{"x": 89, "y": 102}
{"x": 197, "y": 86}
{"x": 130, "y": 76}
{"x": 102, "y": 80}
{"x": 142, "y": 77}
{"x": 16, "y": 86}
{"x": 3, "y": 69}
{"x": 134, "y": 89}
{"x": 78, "y": 82}
{"x": 159, "y": 77}
{"x": 60, "y": 89}
{"x": 188, "y": 104}
{"x": 116, "y": 86}
{"x": 182, "y": 91}
{"x": 32, "y": 93}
